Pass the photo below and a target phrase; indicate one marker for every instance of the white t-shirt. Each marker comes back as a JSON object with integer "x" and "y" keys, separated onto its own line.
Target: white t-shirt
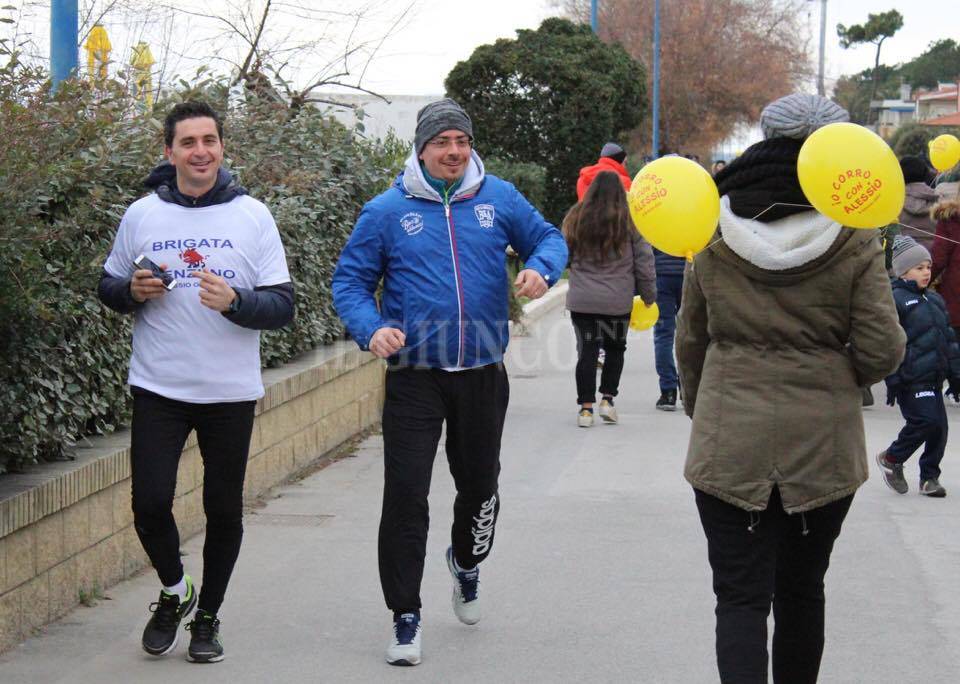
{"x": 181, "y": 349}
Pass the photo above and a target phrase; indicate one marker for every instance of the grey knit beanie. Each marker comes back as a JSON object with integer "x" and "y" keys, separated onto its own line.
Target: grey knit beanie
{"x": 798, "y": 115}
{"x": 907, "y": 253}
{"x": 614, "y": 151}
{"x": 440, "y": 116}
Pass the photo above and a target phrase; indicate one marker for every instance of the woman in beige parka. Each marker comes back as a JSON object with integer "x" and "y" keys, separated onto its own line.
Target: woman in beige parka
{"x": 784, "y": 318}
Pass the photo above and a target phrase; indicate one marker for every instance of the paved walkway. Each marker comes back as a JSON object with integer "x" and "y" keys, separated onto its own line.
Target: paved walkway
{"x": 599, "y": 572}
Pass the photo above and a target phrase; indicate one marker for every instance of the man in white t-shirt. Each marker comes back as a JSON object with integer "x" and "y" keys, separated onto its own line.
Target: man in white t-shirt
{"x": 195, "y": 363}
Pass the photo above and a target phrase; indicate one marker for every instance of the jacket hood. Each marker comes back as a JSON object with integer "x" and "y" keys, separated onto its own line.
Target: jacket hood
{"x": 163, "y": 180}
{"x": 411, "y": 180}
{"x": 788, "y": 249}
{"x": 919, "y": 198}
{"x": 946, "y": 210}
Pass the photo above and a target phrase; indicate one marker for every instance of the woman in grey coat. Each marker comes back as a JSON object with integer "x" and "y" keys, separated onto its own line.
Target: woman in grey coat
{"x": 609, "y": 264}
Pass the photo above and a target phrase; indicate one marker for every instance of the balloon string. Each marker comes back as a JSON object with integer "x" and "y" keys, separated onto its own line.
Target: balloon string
{"x": 780, "y": 204}
{"x": 808, "y": 206}
{"x": 927, "y": 232}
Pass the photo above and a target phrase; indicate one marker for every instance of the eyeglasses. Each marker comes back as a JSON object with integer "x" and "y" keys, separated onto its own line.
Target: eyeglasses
{"x": 442, "y": 142}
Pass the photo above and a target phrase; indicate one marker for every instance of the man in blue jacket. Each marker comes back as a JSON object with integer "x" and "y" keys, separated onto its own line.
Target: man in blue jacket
{"x": 196, "y": 358}
{"x": 437, "y": 238}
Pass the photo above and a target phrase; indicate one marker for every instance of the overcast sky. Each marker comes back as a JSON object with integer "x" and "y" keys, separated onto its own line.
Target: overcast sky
{"x": 437, "y": 34}
{"x": 427, "y": 49}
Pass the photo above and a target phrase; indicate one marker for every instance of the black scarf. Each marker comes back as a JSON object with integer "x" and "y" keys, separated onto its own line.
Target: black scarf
{"x": 766, "y": 173}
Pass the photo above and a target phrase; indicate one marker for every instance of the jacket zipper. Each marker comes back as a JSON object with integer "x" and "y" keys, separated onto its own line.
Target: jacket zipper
{"x": 459, "y": 282}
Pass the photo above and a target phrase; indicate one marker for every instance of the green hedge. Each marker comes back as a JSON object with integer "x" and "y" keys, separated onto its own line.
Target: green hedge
{"x": 914, "y": 139}
{"x": 72, "y": 163}
{"x": 529, "y": 178}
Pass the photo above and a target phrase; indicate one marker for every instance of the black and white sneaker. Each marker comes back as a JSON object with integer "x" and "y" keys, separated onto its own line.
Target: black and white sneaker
{"x": 667, "y": 400}
{"x": 160, "y": 634}
{"x": 404, "y": 648}
{"x": 205, "y": 644}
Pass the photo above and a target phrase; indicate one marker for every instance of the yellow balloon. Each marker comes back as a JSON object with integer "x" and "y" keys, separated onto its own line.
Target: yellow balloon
{"x": 944, "y": 152}
{"x": 642, "y": 317}
{"x": 675, "y": 205}
{"x": 850, "y": 174}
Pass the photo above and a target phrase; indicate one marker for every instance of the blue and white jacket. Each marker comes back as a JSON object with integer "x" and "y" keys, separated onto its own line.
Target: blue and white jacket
{"x": 443, "y": 266}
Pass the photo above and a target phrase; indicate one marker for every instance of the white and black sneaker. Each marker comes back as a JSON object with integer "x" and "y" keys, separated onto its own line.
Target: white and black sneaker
{"x": 466, "y": 591}
{"x": 667, "y": 400}
{"x": 404, "y": 648}
{"x": 160, "y": 634}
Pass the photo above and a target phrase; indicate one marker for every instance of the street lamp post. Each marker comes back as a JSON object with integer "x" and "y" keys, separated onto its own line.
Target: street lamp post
{"x": 656, "y": 79}
{"x": 63, "y": 40}
{"x": 593, "y": 15}
{"x": 821, "y": 89}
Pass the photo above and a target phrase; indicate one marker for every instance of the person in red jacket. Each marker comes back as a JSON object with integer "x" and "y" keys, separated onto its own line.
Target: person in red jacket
{"x": 612, "y": 157}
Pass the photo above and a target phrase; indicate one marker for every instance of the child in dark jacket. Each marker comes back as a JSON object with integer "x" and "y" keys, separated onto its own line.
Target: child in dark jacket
{"x": 932, "y": 356}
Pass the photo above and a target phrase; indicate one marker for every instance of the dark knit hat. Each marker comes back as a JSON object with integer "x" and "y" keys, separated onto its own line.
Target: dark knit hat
{"x": 798, "y": 115}
{"x": 907, "y": 253}
{"x": 915, "y": 170}
{"x": 614, "y": 151}
{"x": 440, "y": 116}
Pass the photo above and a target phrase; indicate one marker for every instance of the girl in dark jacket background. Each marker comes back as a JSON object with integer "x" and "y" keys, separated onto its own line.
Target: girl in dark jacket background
{"x": 609, "y": 263}
{"x": 932, "y": 357}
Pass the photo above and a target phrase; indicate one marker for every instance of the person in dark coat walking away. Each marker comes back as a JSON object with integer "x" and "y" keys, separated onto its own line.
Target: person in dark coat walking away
{"x": 932, "y": 357}
{"x": 783, "y": 320}
{"x": 609, "y": 264}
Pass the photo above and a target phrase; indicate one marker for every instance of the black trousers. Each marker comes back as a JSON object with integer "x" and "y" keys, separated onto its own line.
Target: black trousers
{"x": 418, "y": 401}
{"x": 160, "y": 429}
{"x": 923, "y": 409}
{"x": 593, "y": 332}
{"x": 765, "y": 558}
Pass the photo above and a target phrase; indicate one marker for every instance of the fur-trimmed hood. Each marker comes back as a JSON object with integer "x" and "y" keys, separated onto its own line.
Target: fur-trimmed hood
{"x": 946, "y": 210}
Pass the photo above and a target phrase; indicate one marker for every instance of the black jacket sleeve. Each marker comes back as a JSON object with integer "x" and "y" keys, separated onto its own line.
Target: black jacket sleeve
{"x": 115, "y": 293}
{"x": 263, "y": 308}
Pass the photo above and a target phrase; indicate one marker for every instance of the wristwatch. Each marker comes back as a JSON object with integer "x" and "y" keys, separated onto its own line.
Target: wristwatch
{"x": 235, "y": 304}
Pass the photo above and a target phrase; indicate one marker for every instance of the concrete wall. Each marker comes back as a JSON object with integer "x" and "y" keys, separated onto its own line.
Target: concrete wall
{"x": 66, "y": 529}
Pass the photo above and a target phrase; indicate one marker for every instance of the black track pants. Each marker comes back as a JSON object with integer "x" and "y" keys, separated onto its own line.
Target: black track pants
{"x": 160, "y": 429}
{"x": 418, "y": 401}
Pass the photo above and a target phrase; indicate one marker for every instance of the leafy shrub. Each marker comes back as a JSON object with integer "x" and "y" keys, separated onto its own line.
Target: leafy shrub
{"x": 529, "y": 178}
{"x": 913, "y": 138}
{"x": 73, "y": 161}
{"x": 553, "y": 96}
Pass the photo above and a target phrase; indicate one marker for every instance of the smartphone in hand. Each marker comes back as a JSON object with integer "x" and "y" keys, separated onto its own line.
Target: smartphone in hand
{"x": 142, "y": 262}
